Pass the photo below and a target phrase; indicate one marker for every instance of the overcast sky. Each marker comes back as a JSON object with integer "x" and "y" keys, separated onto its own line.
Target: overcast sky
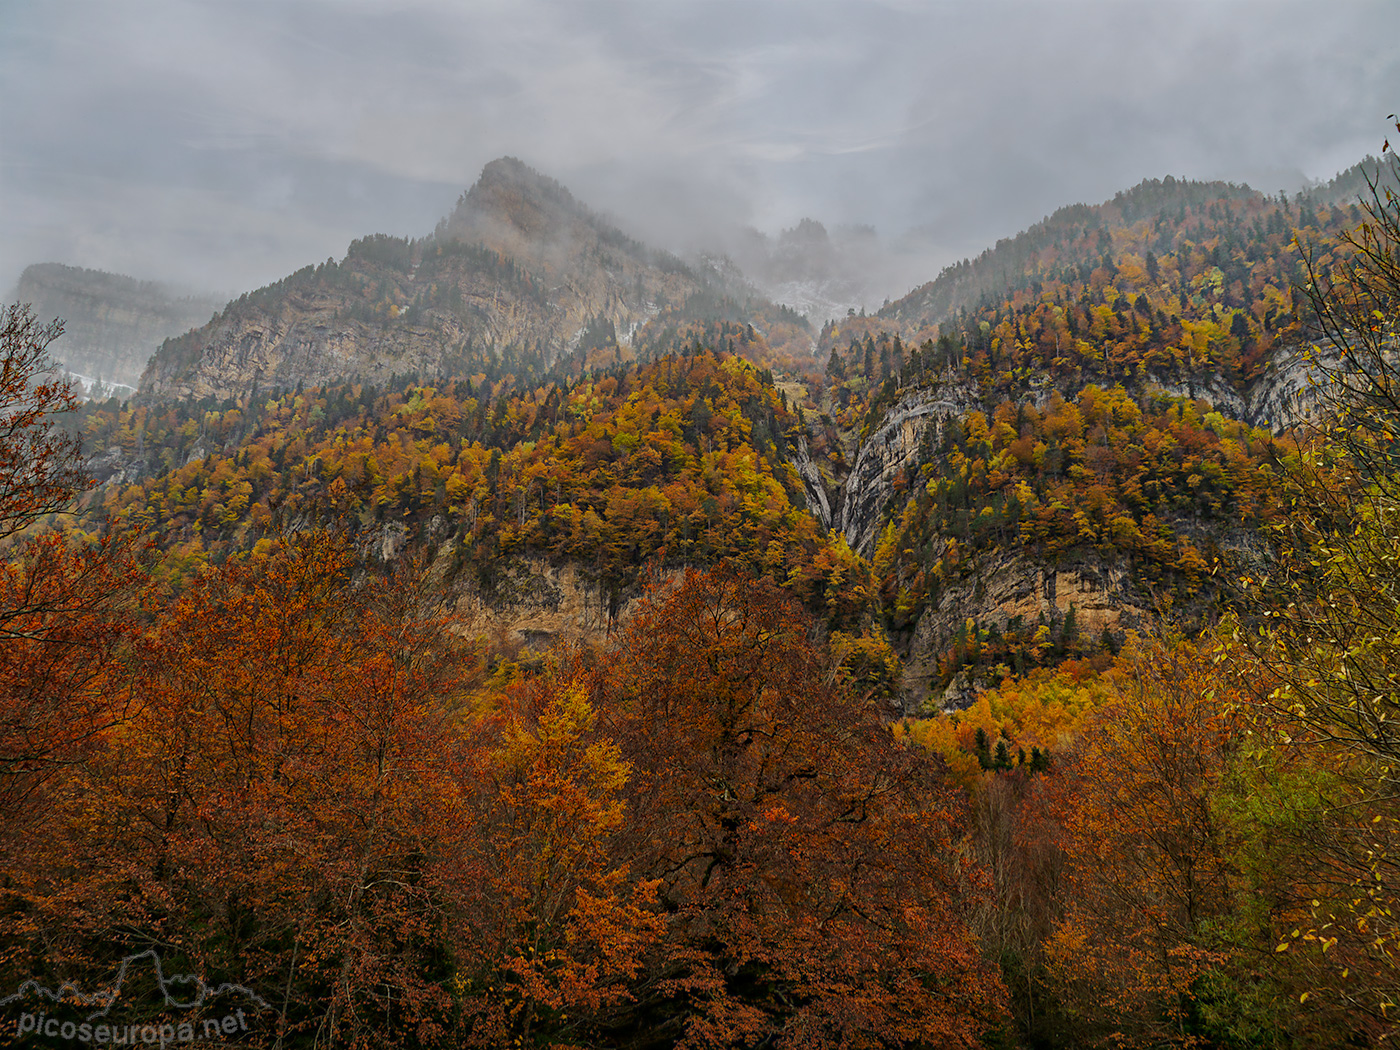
{"x": 225, "y": 143}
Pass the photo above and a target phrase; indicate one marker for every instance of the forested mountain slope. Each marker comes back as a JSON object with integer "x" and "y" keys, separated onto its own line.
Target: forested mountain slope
{"x": 520, "y": 269}
{"x": 1077, "y": 431}
{"x": 685, "y": 460}
{"x": 1041, "y": 474}
{"x": 1189, "y": 286}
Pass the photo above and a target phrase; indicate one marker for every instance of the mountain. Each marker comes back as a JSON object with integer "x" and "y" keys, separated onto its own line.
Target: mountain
{"x": 112, "y": 323}
{"x": 1072, "y": 433}
{"x": 1015, "y": 464}
{"x": 520, "y": 270}
{"x": 819, "y": 273}
{"x": 1190, "y": 287}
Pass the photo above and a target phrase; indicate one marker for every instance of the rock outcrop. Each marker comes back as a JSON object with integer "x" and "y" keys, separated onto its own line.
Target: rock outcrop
{"x": 112, "y": 324}
{"x": 1283, "y": 396}
{"x": 536, "y": 605}
{"x": 1014, "y": 589}
{"x": 519, "y": 265}
{"x": 812, "y": 483}
{"x": 889, "y": 451}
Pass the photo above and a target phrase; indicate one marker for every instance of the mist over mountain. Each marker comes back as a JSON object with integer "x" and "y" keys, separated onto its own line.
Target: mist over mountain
{"x": 823, "y": 274}
{"x": 112, "y": 323}
{"x": 1016, "y": 262}
{"x": 519, "y": 265}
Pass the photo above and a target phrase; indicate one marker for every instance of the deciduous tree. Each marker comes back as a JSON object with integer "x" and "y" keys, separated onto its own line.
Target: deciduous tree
{"x": 809, "y": 866}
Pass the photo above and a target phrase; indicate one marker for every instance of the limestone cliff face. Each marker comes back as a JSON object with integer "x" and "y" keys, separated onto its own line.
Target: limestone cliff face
{"x": 889, "y": 451}
{"x": 519, "y": 265}
{"x": 112, "y": 324}
{"x": 537, "y": 605}
{"x": 814, "y": 484}
{"x": 303, "y": 336}
{"x": 1280, "y": 398}
{"x": 1014, "y": 586}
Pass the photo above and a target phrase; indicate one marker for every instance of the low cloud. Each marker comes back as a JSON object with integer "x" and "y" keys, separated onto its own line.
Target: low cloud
{"x": 226, "y": 144}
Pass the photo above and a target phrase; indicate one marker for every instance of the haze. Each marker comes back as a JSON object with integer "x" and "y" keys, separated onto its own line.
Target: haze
{"x": 222, "y": 145}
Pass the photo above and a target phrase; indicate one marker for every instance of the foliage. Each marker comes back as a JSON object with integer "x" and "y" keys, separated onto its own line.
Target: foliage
{"x": 1334, "y": 611}
{"x": 65, "y": 604}
{"x": 39, "y": 464}
{"x": 806, "y": 864}
{"x": 683, "y": 459}
{"x": 1171, "y": 281}
{"x": 1106, "y": 475}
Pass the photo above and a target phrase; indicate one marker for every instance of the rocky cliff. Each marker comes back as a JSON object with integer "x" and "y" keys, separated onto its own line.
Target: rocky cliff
{"x": 112, "y": 324}
{"x": 888, "y": 453}
{"x": 537, "y": 605}
{"x": 520, "y": 266}
{"x": 1016, "y": 588}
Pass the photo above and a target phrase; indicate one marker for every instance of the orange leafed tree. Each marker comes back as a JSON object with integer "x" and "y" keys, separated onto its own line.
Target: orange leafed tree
{"x": 65, "y": 606}
{"x": 808, "y": 865}
{"x": 40, "y": 469}
{"x": 282, "y": 802}
{"x": 303, "y": 799}
{"x": 556, "y": 930}
{"x": 1150, "y": 862}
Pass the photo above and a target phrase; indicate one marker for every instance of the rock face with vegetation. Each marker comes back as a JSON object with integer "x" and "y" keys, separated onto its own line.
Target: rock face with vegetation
{"x": 520, "y": 268}
{"x": 890, "y": 451}
{"x": 1073, "y": 432}
{"x": 1030, "y": 455}
{"x": 112, "y": 324}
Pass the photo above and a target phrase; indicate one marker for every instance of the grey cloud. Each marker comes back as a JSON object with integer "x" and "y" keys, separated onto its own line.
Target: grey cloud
{"x": 229, "y": 142}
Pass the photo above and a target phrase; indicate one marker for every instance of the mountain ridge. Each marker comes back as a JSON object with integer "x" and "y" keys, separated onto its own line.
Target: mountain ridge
{"x": 112, "y": 322}
{"x": 520, "y": 267}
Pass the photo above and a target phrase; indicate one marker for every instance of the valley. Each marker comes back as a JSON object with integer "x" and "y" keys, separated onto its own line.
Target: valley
{"x": 1101, "y": 425}
{"x": 521, "y": 635}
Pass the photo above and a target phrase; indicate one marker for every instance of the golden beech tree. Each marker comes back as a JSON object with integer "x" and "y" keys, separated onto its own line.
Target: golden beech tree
{"x": 808, "y": 866}
{"x": 1334, "y": 606}
{"x": 557, "y": 930}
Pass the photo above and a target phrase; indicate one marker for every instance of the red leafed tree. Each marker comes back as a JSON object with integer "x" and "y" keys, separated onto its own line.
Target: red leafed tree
{"x": 284, "y": 804}
{"x": 65, "y": 611}
{"x": 810, "y": 869}
{"x": 40, "y": 468}
{"x": 64, "y": 604}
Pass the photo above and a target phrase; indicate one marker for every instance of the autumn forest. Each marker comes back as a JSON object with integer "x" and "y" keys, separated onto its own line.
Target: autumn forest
{"x": 1015, "y": 666}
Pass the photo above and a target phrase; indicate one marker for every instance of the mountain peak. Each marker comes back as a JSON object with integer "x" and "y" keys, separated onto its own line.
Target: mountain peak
{"x": 512, "y": 203}
{"x": 511, "y": 175}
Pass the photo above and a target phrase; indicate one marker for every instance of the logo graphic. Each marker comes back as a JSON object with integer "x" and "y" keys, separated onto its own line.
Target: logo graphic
{"x": 142, "y": 1006}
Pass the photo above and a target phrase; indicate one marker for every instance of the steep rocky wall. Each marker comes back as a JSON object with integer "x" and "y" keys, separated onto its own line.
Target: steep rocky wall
{"x": 812, "y": 482}
{"x": 537, "y": 604}
{"x": 300, "y": 339}
{"x": 1285, "y": 395}
{"x": 1014, "y": 584}
{"x": 889, "y": 451}
{"x": 112, "y": 324}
